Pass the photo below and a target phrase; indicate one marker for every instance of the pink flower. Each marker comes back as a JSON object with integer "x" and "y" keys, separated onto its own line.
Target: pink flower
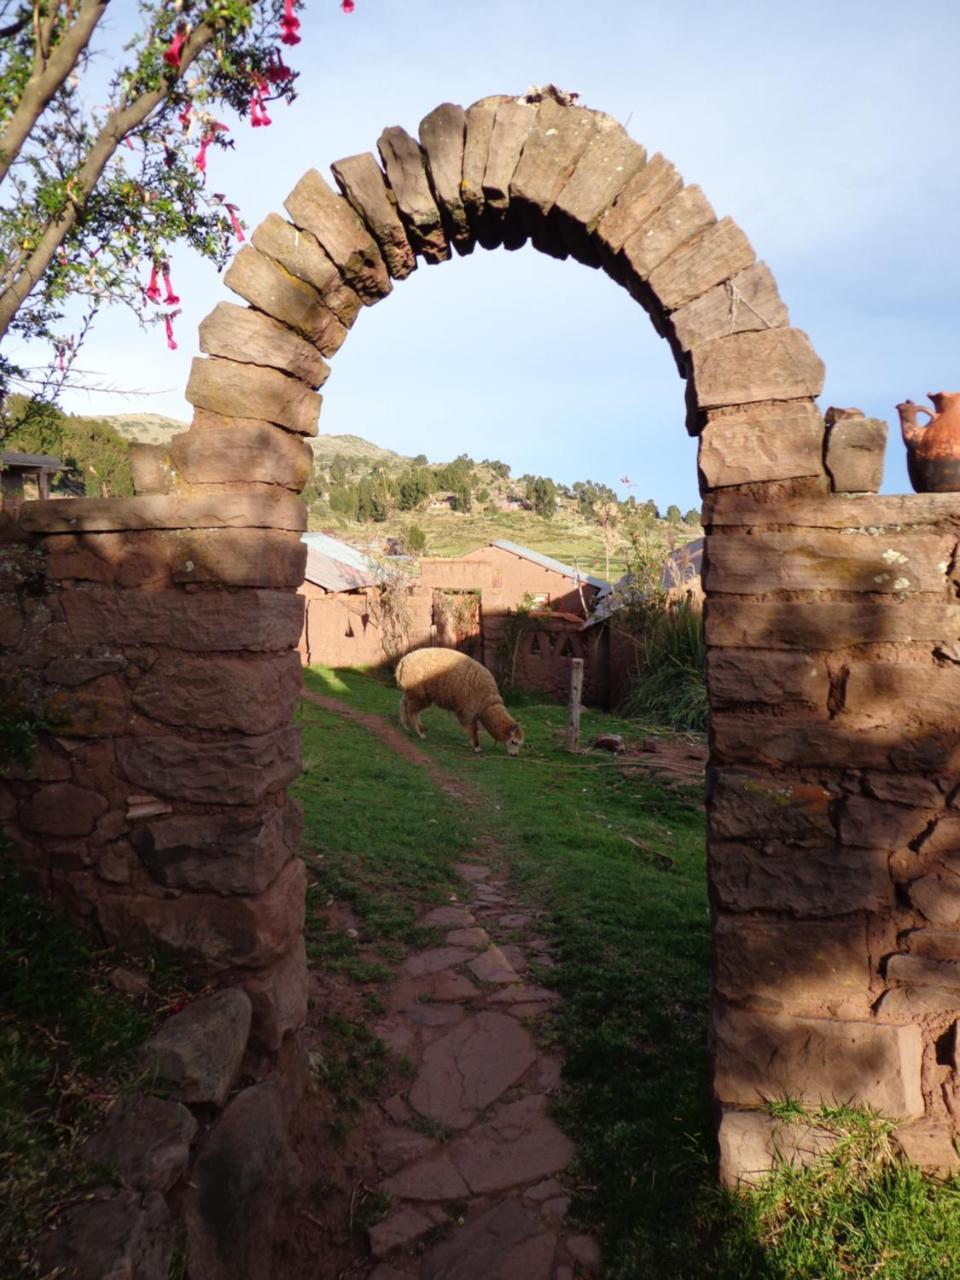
{"x": 347, "y": 6}
{"x": 258, "y": 112}
{"x": 277, "y": 71}
{"x": 171, "y": 299}
{"x": 289, "y": 25}
{"x": 211, "y": 132}
{"x": 153, "y": 289}
{"x": 184, "y": 116}
{"x": 237, "y": 229}
{"x": 168, "y": 325}
{"x": 171, "y": 54}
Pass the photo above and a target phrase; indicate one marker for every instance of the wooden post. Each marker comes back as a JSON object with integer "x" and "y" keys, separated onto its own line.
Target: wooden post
{"x": 572, "y": 740}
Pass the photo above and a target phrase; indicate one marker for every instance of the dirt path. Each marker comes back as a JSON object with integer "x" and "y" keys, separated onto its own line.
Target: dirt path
{"x": 465, "y": 1148}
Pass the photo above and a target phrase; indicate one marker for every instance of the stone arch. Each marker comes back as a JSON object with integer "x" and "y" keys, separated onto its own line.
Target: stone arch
{"x": 828, "y": 819}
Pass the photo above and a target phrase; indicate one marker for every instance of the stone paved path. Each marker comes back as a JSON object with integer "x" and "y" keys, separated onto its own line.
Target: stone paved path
{"x": 472, "y": 1160}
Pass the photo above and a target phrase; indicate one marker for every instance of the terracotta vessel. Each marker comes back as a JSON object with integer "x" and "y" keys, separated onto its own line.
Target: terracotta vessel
{"x": 933, "y": 451}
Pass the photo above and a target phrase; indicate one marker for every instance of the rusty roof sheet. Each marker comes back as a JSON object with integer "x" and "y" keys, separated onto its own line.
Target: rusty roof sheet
{"x": 336, "y": 566}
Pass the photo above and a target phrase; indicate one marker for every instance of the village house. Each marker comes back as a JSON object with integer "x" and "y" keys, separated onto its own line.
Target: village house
{"x": 24, "y": 477}
{"x": 516, "y": 610}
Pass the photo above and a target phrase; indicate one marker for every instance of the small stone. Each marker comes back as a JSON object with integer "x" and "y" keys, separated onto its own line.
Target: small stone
{"x": 198, "y": 1051}
{"x": 585, "y": 1251}
{"x": 554, "y": 1211}
{"x": 130, "y": 982}
{"x": 514, "y": 920}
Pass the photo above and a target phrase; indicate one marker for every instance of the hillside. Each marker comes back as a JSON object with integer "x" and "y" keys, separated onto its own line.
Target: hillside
{"x": 497, "y": 509}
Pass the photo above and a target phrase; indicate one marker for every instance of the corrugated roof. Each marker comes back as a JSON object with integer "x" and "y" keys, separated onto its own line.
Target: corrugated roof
{"x": 336, "y": 566}
{"x": 10, "y": 458}
{"x": 548, "y": 562}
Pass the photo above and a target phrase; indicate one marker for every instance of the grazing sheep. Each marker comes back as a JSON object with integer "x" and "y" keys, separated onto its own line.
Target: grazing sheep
{"x": 449, "y": 679}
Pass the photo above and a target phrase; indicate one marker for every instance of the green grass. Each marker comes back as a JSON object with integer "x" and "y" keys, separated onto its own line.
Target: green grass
{"x": 66, "y": 1040}
{"x": 619, "y": 866}
{"x": 670, "y": 686}
{"x": 859, "y": 1211}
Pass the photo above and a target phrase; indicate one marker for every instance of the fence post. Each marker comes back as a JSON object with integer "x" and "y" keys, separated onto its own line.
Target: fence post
{"x": 572, "y": 740}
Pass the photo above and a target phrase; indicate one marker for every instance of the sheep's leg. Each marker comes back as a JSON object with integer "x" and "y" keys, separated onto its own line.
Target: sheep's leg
{"x": 474, "y": 731}
{"x": 410, "y": 714}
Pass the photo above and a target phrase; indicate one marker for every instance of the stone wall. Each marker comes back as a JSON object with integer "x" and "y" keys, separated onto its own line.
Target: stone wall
{"x": 165, "y": 640}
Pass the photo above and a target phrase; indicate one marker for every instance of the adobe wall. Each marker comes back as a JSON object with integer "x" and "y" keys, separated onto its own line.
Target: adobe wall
{"x": 166, "y": 632}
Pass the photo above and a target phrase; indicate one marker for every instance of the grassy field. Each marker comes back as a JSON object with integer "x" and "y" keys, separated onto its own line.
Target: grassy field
{"x": 619, "y": 866}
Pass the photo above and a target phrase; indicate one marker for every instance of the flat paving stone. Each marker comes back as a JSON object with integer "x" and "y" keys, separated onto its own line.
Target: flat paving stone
{"x": 397, "y": 1109}
{"x": 385, "y": 1272}
{"x": 402, "y": 1229}
{"x": 505, "y": 1243}
{"x": 397, "y": 1147}
{"x": 433, "y": 961}
{"x": 545, "y": 1190}
{"x": 526, "y": 992}
{"x": 397, "y": 1034}
{"x": 514, "y": 920}
{"x": 469, "y": 1068}
{"x": 433, "y": 1178}
{"x": 524, "y": 1011}
{"x": 521, "y": 1144}
{"x": 435, "y": 1015}
{"x": 444, "y": 986}
{"x": 468, "y": 938}
{"x": 493, "y": 966}
{"x": 554, "y": 1211}
{"x": 444, "y": 916}
{"x": 516, "y": 957}
{"x": 472, "y": 871}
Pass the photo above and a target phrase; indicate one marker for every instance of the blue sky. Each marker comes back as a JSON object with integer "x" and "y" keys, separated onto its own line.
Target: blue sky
{"x": 828, "y": 131}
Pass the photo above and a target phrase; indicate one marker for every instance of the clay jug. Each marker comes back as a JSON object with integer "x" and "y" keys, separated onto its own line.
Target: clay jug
{"x": 933, "y": 451}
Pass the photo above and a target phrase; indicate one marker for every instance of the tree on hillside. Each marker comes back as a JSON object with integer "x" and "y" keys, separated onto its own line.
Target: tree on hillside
{"x": 673, "y": 514}
{"x": 692, "y": 516}
{"x": 544, "y": 496}
{"x": 95, "y": 456}
{"x": 95, "y": 198}
{"x": 461, "y": 496}
{"x": 414, "y": 487}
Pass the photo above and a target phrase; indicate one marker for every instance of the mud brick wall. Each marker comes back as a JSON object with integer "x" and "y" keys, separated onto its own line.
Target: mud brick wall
{"x": 161, "y": 633}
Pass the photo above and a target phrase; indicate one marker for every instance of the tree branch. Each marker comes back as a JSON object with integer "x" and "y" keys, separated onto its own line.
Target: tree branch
{"x": 118, "y": 125}
{"x": 46, "y": 78}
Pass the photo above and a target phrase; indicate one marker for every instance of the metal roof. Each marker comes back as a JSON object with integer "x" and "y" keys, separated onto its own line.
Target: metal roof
{"x": 548, "y": 562}
{"x": 41, "y": 461}
{"x": 336, "y": 566}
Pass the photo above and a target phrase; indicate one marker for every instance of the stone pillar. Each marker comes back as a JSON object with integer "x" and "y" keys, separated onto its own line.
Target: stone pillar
{"x": 834, "y": 675}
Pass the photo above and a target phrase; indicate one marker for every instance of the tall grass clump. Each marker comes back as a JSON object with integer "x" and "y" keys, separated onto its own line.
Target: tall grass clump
{"x": 670, "y": 686}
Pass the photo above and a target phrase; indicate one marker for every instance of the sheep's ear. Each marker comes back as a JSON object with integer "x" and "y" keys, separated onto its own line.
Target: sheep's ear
{"x": 517, "y": 734}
